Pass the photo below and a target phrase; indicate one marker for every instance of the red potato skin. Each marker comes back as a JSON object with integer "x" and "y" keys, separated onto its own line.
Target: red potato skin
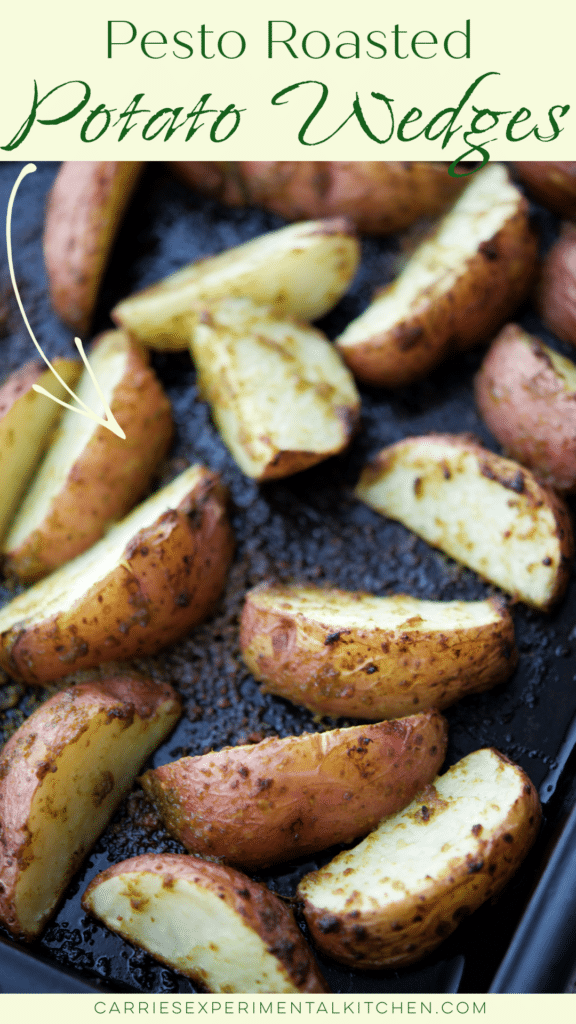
{"x": 489, "y": 287}
{"x": 19, "y": 383}
{"x": 527, "y": 408}
{"x": 108, "y": 479}
{"x": 556, "y": 296}
{"x": 552, "y": 183}
{"x": 260, "y": 909}
{"x": 378, "y": 197}
{"x": 171, "y": 576}
{"x": 84, "y": 211}
{"x": 374, "y": 940}
{"x": 285, "y": 798}
{"x": 299, "y": 659}
{"x": 58, "y": 722}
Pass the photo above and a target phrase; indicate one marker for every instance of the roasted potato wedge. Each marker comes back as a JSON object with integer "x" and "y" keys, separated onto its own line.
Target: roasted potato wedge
{"x": 301, "y": 270}
{"x": 456, "y": 290}
{"x": 27, "y": 420}
{"x": 557, "y": 287}
{"x": 152, "y": 578}
{"x": 90, "y": 478}
{"x": 484, "y": 511}
{"x": 552, "y": 183}
{"x": 361, "y": 656}
{"x": 280, "y": 395}
{"x": 62, "y": 774}
{"x": 406, "y": 887}
{"x": 526, "y": 394}
{"x": 286, "y": 798}
{"x": 379, "y": 197}
{"x": 84, "y": 211}
{"x": 206, "y": 921}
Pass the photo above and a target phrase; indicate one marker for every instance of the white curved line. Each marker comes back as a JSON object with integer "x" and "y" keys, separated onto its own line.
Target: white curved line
{"x": 110, "y": 421}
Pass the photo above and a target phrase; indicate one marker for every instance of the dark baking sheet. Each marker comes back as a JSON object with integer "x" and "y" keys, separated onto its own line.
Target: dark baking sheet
{"x": 308, "y": 527}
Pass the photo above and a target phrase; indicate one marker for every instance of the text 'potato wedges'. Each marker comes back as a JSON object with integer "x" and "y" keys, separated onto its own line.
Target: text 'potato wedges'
{"x": 353, "y": 654}
{"x": 406, "y": 887}
{"x": 456, "y": 290}
{"x": 208, "y": 922}
{"x": 484, "y": 511}
{"x": 62, "y": 775}
{"x": 280, "y": 395}
{"x": 152, "y": 578}
{"x": 283, "y": 798}
{"x": 302, "y": 270}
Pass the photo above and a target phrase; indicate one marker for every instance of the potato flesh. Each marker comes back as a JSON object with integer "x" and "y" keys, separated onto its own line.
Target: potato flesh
{"x": 24, "y": 431}
{"x": 301, "y": 270}
{"x": 405, "y": 855}
{"x": 395, "y": 897}
{"x": 485, "y": 206}
{"x": 74, "y": 803}
{"x": 366, "y": 611}
{"x": 108, "y": 363}
{"x": 191, "y": 929}
{"x": 63, "y": 588}
{"x": 444, "y": 493}
{"x": 273, "y": 387}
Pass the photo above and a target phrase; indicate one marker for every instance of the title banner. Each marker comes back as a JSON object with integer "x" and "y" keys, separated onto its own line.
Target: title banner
{"x": 308, "y": 80}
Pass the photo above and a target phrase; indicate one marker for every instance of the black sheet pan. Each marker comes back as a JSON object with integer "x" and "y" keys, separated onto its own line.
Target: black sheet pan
{"x": 305, "y": 528}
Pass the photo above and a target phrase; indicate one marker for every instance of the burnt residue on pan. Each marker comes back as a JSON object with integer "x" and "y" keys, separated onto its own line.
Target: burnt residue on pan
{"x": 305, "y": 528}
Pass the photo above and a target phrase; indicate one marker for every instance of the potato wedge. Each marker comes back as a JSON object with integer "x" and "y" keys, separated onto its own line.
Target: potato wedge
{"x": 27, "y": 420}
{"x": 557, "y": 287}
{"x": 551, "y": 182}
{"x": 285, "y": 798}
{"x": 396, "y": 896}
{"x": 379, "y": 197}
{"x": 484, "y": 511}
{"x": 62, "y": 774}
{"x": 301, "y": 270}
{"x": 90, "y": 478}
{"x": 84, "y": 212}
{"x": 152, "y": 578}
{"x": 208, "y": 922}
{"x": 526, "y": 394}
{"x": 354, "y": 654}
{"x": 280, "y": 395}
{"x": 456, "y": 290}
